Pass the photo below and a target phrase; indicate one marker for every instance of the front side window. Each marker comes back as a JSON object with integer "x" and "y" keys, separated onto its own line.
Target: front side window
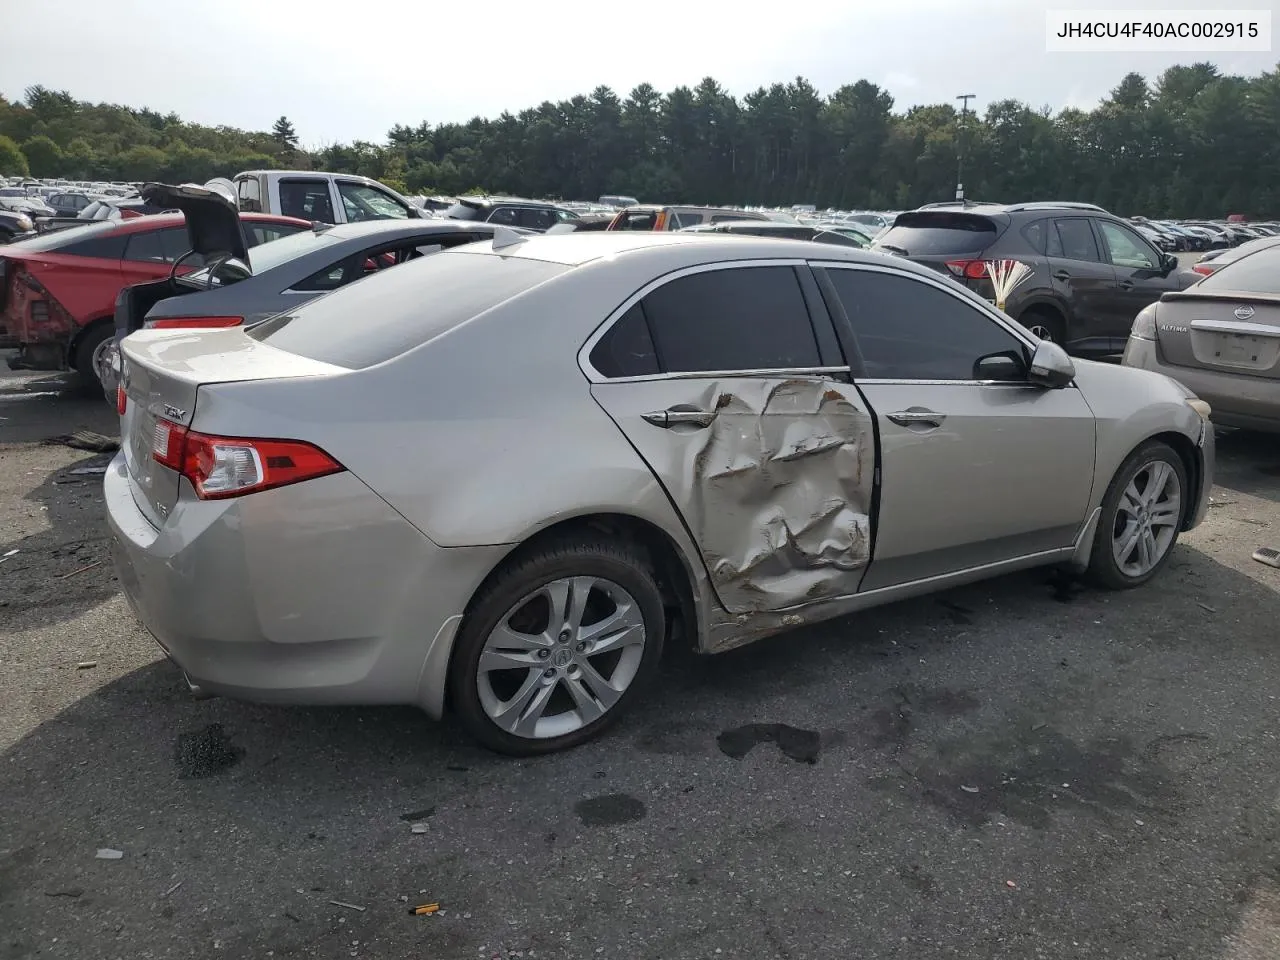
{"x": 908, "y": 329}
{"x": 363, "y": 202}
{"x": 537, "y": 218}
{"x": 1125, "y": 248}
{"x": 749, "y": 318}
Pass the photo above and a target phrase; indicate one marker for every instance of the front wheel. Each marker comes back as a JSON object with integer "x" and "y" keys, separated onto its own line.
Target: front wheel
{"x": 1045, "y": 325}
{"x": 555, "y": 649}
{"x": 1141, "y": 517}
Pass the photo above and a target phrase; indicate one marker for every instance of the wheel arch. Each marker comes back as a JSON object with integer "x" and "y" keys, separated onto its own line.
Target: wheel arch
{"x": 78, "y": 337}
{"x": 1186, "y": 451}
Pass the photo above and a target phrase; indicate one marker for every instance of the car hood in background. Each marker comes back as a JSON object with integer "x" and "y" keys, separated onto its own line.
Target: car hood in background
{"x": 213, "y": 222}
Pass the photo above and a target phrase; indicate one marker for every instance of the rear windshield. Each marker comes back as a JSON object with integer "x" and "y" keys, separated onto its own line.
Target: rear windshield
{"x": 58, "y": 239}
{"x": 464, "y": 211}
{"x": 1257, "y": 273}
{"x": 932, "y": 234}
{"x": 384, "y": 315}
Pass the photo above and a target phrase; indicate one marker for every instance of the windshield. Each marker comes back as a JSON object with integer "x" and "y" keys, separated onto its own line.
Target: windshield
{"x": 50, "y": 242}
{"x": 1259, "y": 272}
{"x": 12, "y": 192}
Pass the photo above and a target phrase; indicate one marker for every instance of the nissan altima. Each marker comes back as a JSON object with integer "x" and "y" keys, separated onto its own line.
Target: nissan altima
{"x": 502, "y": 477}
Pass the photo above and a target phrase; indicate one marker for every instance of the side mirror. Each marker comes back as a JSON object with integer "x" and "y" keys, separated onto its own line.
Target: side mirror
{"x": 1168, "y": 263}
{"x": 1051, "y": 367}
{"x": 1006, "y": 367}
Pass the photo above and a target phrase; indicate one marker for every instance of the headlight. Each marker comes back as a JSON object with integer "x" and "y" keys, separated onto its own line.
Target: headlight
{"x": 24, "y": 222}
{"x": 1144, "y": 324}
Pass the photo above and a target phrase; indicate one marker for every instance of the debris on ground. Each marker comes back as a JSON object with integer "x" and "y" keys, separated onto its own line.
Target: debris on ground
{"x": 968, "y": 789}
{"x": 1011, "y": 885}
{"x": 1268, "y": 555}
{"x": 425, "y": 909}
{"x": 87, "y": 566}
{"x": 87, "y": 440}
{"x": 7, "y": 555}
{"x": 71, "y": 892}
{"x": 1205, "y": 606}
{"x": 418, "y": 828}
{"x": 171, "y": 890}
{"x": 417, "y": 816}
{"x": 86, "y": 664}
{"x": 106, "y": 853}
{"x": 349, "y": 906}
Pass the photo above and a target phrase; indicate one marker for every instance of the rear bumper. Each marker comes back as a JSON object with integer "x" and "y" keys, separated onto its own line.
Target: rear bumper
{"x": 315, "y": 593}
{"x": 1252, "y": 403}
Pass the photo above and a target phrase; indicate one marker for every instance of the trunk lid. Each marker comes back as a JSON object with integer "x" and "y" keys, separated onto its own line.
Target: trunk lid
{"x": 213, "y": 222}
{"x": 162, "y": 372}
{"x": 1231, "y": 332}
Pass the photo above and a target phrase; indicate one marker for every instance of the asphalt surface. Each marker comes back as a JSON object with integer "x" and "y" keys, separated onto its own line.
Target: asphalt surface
{"x": 1017, "y": 769}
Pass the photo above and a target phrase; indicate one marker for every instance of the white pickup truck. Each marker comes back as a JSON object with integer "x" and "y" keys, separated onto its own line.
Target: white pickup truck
{"x": 317, "y": 196}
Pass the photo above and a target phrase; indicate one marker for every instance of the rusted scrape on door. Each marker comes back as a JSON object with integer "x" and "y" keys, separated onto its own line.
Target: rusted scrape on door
{"x": 782, "y": 492}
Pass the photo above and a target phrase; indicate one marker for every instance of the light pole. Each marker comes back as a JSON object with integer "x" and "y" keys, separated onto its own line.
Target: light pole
{"x": 964, "y": 99}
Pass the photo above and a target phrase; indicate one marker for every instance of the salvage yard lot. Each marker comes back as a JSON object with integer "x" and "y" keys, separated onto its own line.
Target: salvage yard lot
{"x": 1020, "y": 768}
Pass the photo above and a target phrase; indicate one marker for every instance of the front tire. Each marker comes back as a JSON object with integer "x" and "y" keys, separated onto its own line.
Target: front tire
{"x": 1045, "y": 325}
{"x": 556, "y": 648}
{"x": 1142, "y": 515}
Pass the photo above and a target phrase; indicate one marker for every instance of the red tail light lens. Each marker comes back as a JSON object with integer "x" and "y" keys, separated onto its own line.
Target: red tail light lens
{"x": 1203, "y": 269}
{"x": 122, "y": 401}
{"x": 176, "y": 323}
{"x": 220, "y": 467}
{"x": 969, "y": 269}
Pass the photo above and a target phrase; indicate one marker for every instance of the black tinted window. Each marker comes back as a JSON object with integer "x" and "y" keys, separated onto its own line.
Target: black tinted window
{"x": 752, "y": 318}
{"x": 911, "y": 330}
{"x": 537, "y": 218}
{"x": 306, "y": 199}
{"x": 931, "y": 233}
{"x": 1073, "y": 240}
{"x": 339, "y": 329}
{"x": 1037, "y": 235}
{"x": 507, "y": 216}
{"x": 175, "y": 243}
{"x": 258, "y": 233}
{"x": 145, "y": 247}
{"x": 626, "y": 350}
{"x": 108, "y": 248}
{"x": 640, "y": 220}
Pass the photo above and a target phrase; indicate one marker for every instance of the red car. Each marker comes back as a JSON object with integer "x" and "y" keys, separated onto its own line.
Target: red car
{"x": 58, "y": 291}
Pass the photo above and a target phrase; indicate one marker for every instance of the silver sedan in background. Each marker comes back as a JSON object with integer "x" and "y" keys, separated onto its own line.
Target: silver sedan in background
{"x": 503, "y": 476}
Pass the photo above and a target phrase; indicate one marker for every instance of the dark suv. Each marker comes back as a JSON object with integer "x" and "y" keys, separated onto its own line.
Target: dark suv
{"x": 511, "y": 212}
{"x": 1091, "y": 272}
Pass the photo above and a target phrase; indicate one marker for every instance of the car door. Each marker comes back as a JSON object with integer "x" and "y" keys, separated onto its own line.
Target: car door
{"x": 972, "y": 472}
{"x": 144, "y": 257}
{"x": 1141, "y": 278}
{"x": 740, "y": 405}
{"x": 1084, "y": 281}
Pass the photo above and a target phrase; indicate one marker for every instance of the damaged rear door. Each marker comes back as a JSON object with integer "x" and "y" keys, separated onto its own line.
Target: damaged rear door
{"x": 740, "y": 403}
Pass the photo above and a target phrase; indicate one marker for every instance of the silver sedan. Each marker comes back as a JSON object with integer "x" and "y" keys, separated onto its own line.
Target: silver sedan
{"x": 503, "y": 476}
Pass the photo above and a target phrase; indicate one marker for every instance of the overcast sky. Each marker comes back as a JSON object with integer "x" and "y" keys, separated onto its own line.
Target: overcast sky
{"x": 344, "y": 71}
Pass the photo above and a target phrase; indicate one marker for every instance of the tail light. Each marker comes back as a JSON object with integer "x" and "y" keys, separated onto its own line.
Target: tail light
{"x": 220, "y": 467}
{"x": 1203, "y": 269}
{"x": 176, "y": 323}
{"x": 660, "y": 221}
{"x": 122, "y": 401}
{"x": 968, "y": 269}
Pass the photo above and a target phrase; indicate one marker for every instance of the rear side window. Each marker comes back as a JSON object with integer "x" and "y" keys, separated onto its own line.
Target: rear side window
{"x": 144, "y": 247}
{"x": 538, "y": 218}
{"x": 415, "y": 303}
{"x": 507, "y": 216}
{"x": 640, "y": 220}
{"x": 1073, "y": 240}
{"x": 626, "y": 349}
{"x": 106, "y": 248}
{"x": 684, "y": 218}
{"x": 748, "y": 318}
{"x": 306, "y": 199}
{"x": 259, "y": 233}
{"x": 934, "y": 233}
{"x": 1036, "y": 234}
{"x": 1257, "y": 273}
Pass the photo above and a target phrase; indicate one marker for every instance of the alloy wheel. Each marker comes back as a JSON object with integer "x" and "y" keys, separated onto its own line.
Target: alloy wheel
{"x": 1041, "y": 332}
{"x": 1147, "y": 519}
{"x": 561, "y": 657}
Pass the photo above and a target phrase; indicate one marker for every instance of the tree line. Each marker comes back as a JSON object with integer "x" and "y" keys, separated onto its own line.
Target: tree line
{"x": 1191, "y": 143}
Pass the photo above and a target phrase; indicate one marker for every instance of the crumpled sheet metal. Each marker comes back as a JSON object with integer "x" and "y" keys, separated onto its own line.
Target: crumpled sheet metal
{"x": 781, "y": 491}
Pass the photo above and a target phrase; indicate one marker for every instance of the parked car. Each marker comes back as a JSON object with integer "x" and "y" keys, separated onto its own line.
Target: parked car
{"x": 533, "y": 215}
{"x": 247, "y": 286}
{"x": 14, "y": 226}
{"x": 655, "y": 217}
{"x": 1221, "y": 338}
{"x": 777, "y": 231}
{"x": 58, "y": 290}
{"x": 17, "y": 200}
{"x": 617, "y": 200}
{"x": 101, "y": 208}
{"x": 67, "y": 204}
{"x": 584, "y": 221}
{"x": 1092, "y": 272}
{"x": 700, "y": 437}
{"x": 1215, "y": 260}
{"x": 317, "y": 196}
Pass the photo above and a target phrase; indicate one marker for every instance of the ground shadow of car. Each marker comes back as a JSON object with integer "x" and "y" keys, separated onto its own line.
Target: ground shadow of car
{"x": 843, "y": 784}
{"x": 1249, "y": 463}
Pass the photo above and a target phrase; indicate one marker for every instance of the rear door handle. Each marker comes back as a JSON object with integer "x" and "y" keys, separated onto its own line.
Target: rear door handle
{"x": 909, "y": 418}
{"x": 1061, "y": 275}
{"x": 1126, "y": 284}
{"x": 672, "y": 418}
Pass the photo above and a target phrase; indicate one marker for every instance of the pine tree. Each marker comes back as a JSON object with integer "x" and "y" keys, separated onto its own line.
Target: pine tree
{"x": 284, "y": 134}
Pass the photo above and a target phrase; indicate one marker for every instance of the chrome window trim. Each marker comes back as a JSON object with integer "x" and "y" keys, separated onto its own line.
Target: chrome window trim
{"x": 595, "y": 376}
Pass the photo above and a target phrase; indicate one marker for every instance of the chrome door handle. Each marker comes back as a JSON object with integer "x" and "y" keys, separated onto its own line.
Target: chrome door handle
{"x": 671, "y": 418}
{"x": 907, "y": 418}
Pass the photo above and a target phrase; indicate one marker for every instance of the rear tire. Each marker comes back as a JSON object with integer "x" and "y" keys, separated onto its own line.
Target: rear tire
{"x": 1142, "y": 515}
{"x": 557, "y": 646}
{"x": 1045, "y": 324}
{"x": 85, "y": 354}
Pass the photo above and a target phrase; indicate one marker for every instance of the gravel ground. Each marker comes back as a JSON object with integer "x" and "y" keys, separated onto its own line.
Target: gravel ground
{"x": 1017, "y": 769}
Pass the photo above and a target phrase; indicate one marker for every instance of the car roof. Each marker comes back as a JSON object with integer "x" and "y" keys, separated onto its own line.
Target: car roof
{"x": 161, "y": 220}
{"x": 472, "y": 200}
{"x": 676, "y": 250}
{"x": 372, "y": 229}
